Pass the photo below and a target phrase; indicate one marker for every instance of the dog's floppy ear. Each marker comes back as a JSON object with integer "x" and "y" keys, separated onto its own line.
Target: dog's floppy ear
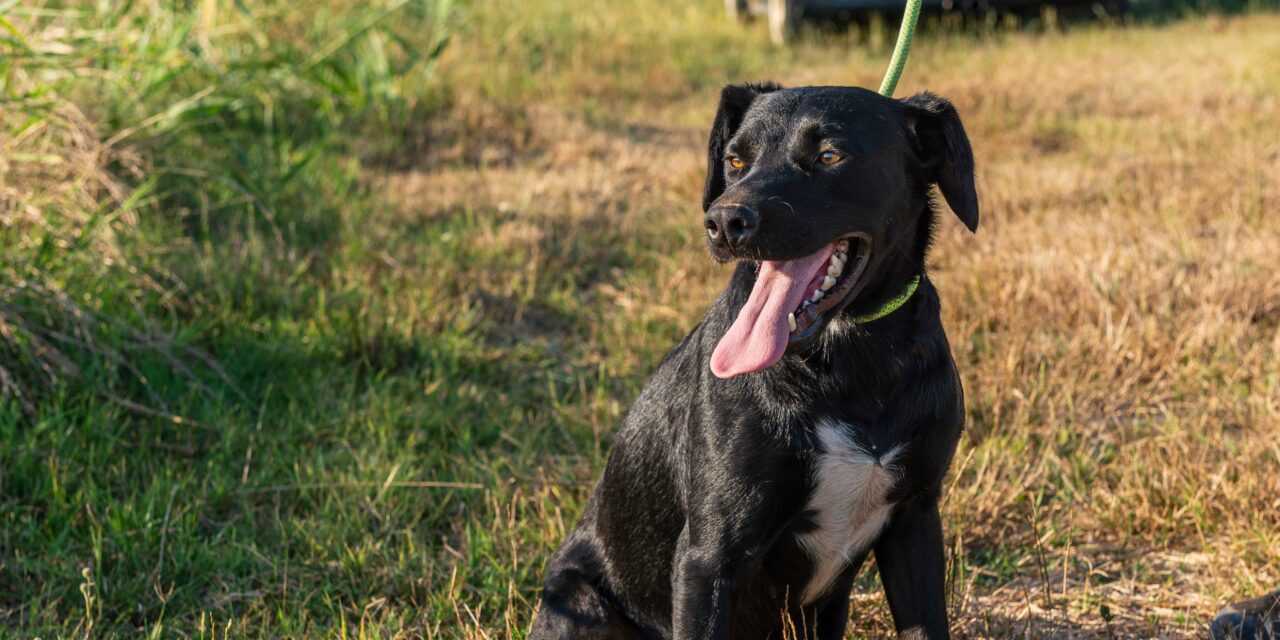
{"x": 734, "y": 102}
{"x": 944, "y": 149}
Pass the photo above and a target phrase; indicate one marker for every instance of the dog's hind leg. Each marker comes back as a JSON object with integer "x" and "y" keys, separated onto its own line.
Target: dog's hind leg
{"x": 574, "y": 605}
{"x": 573, "y": 609}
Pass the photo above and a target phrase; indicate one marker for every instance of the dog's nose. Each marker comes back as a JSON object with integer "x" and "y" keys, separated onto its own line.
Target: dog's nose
{"x": 731, "y": 224}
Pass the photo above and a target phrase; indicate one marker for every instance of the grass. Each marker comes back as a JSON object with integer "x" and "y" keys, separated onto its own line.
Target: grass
{"x": 315, "y": 320}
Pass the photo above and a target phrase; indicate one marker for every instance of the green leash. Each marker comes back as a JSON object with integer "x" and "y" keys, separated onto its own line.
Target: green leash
{"x": 910, "y": 16}
{"x": 892, "y": 305}
{"x": 908, "y": 29}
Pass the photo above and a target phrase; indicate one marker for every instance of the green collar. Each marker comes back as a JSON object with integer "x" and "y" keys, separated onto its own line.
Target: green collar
{"x": 893, "y": 304}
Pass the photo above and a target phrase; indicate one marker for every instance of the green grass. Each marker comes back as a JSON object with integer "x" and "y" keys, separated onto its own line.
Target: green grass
{"x": 188, "y": 360}
{"x": 315, "y": 318}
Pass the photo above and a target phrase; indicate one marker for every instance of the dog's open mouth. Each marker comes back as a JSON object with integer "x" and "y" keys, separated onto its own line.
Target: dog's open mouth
{"x": 792, "y": 301}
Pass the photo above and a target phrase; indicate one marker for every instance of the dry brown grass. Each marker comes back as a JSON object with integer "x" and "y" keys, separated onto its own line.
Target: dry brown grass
{"x": 1116, "y": 318}
{"x": 1121, "y": 315}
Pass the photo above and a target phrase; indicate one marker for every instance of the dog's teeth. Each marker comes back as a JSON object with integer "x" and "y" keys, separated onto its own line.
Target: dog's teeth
{"x": 828, "y": 282}
{"x": 817, "y": 295}
{"x": 843, "y": 245}
{"x": 837, "y": 263}
{"x": 791, "y": 322}
{"x": 833, "y": 271}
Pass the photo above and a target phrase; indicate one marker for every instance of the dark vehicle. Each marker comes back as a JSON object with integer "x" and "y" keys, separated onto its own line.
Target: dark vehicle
{"x": 783, "y": 15}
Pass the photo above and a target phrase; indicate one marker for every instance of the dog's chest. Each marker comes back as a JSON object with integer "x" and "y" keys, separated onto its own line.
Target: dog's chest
{"x": 848, "y": 505}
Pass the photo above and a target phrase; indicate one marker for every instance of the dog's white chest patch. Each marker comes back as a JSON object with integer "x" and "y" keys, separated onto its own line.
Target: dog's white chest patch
{"x": 848, "y": 504}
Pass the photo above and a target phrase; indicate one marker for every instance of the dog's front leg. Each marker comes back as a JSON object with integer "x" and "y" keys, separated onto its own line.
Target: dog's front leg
{"x": 712, "y": 557}
{"x": 913, "y": 570}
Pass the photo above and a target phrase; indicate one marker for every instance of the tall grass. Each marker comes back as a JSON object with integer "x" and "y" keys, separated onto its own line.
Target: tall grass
{"x": 214, "y": 127}
{"x": 175, "y": 180}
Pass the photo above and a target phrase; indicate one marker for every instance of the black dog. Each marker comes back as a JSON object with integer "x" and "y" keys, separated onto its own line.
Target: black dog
{"x": 811, "y": 416}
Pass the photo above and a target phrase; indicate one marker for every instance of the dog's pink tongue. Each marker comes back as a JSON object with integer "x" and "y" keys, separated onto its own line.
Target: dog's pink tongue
{"x": 758, "y": 338}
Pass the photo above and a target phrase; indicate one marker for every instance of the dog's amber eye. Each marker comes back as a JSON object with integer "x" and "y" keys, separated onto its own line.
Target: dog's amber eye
{"x": 736, "y": 162}
{"x": 830, "y": 157}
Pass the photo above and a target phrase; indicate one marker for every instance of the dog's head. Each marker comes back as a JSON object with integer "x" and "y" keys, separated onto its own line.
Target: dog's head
{"x": 827, "y": 190}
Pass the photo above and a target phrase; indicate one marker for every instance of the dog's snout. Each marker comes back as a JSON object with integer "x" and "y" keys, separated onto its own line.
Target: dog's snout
{"x": 731, "y": 225}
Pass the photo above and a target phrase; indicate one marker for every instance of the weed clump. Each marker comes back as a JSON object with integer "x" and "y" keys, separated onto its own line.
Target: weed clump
{"x": 213, "y": 129}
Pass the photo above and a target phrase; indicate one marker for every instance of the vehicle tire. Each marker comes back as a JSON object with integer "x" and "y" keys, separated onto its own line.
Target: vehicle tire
{"x": 737, "y": 10}
{"x": 783, "y": 16}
